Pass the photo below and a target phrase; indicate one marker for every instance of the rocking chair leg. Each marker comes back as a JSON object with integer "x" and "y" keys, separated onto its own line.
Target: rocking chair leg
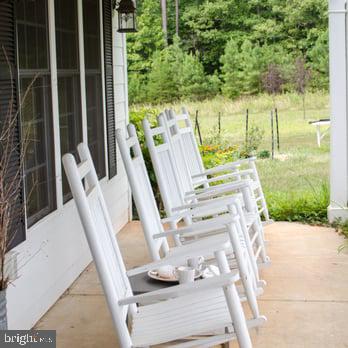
{"x": 249, "y": 246}
{"x": 260, "y": 242}
{"x": 234, "y": 305}
{"x": 245, "y": 276}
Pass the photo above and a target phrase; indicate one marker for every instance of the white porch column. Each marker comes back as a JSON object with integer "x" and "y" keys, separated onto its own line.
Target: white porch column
{"x": 339, "y": 111}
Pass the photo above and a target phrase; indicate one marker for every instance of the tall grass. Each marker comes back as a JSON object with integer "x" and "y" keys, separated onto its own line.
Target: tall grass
{"x": 260, "y": 103}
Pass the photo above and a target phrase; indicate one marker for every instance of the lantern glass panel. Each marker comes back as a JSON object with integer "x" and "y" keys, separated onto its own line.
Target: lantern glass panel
{"x": 126, "y": 22}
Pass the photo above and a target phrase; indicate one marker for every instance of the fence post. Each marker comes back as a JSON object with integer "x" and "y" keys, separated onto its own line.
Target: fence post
{"x": 272, "y": 130}
{"x": 277, "y": 126}
{"x": 219, "y": 123}
{"x": 198, "y": 128}
{"x": 247, "y": 127}
{"x": 196, "y": 115}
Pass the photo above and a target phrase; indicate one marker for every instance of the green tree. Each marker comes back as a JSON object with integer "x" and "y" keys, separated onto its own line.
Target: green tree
{"x": 164, "y": 78}
{"x": 234, "y": 41}
{"x": 250, "y": 58}
{"x": 319, "y": 62}
{"x": 193, "y": 81}
{"x": 148, "y": 40}
{"x": 231, "y": 70}
{"x": 208, "y": 26}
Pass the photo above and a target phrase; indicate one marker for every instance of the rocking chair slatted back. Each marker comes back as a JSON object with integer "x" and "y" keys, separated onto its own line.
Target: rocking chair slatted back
{"x": 169, "y": 182}
{"x": 142, "y": 191}
{"x": 194, "y": 159}
{"x": 100, "y": 236}
{"x": 192, "y": 154}
{"x": 178, "y": 149}
{"x": 195, "y": 163}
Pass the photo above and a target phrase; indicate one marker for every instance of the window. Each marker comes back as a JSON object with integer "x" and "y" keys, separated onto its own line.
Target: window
{"x": 69, "y": 90}
{"x": 36, "y": 110}
{"x": 94, "y": 96}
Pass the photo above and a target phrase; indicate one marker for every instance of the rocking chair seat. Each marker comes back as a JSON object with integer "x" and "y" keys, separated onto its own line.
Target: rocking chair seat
{"x": 169, "y": 320}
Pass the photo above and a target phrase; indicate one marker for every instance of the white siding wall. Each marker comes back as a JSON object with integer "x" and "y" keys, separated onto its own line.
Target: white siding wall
{"x": 56, "y": 252}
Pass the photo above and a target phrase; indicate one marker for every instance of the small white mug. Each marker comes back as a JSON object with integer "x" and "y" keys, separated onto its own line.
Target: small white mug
{"x": 185, "y": 274}
{"x": 166, "y": 272}
{"x": 196, "y": 262}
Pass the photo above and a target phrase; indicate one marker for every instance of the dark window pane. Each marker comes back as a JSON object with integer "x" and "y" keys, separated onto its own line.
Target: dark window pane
{"x": 22, "y": 52}
{"x": 37, "y": 197}
{"x": 42, "y": 50}
{"x": 30, "y": 11}
{"x": 41, "y": 11}
{"x": 32, "y": 47}
{"x": 67, "y": 34}
{"x": 91, "y": 34}
{"x": 32, "y": 34}
{"x": 20, "y": 10}
{"x": 95, "y": 119}
{"x": 69, "y": 109}
{"x": 69, "y": 90}
{"x": 37, "y": 133}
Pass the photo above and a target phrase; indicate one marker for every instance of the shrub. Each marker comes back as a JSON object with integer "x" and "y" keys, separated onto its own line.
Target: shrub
{"x": 136, "y": 88}
{"x": 308, "y": 206}
{"x": 255, "y": 136}
{"x": 264, "y": 154}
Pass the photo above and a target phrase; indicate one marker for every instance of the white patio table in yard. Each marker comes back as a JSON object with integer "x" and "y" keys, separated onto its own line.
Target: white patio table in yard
{"x": 318, "y": 125}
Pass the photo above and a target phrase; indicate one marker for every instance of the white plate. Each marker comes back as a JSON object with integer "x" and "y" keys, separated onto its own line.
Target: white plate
{"x": 154, "y": 275}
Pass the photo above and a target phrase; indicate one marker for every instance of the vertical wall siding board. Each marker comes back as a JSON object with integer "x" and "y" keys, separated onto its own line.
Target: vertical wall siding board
{"x": 109, "y": 88}
{"x": 9, "y": 87}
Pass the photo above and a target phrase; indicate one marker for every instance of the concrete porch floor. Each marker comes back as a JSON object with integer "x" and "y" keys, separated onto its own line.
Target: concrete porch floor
{"x": 305, "y": 301}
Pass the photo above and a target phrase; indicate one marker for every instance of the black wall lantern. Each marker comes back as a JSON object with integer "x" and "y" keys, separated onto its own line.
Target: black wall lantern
{"x": 126, "y": 16}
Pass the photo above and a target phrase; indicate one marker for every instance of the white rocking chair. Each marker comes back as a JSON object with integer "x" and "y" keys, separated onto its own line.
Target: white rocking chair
{"x": 176, "y": 141}
{"x": 178, "y": 193}
{"x": 224, "y": 173}
{"x": 169, "y": 314}
{"x": 156, "y": 236}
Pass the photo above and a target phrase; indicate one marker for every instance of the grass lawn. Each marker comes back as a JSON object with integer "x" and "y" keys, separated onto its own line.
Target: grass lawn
{"x": 296, "y": 181}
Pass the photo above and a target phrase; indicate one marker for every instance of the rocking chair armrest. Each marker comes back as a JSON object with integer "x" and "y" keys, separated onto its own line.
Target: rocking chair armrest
{"x": 176, "y": 217}
{"x": 209, "y": 202}
{"x": 204, "y": 246}
{"x": 200, "y": 227}
{"x": 223, "y": 188}
{"x": 183, "y": 289}
{"x": 218, "y": 169}
{"x": 224, "y": 177}
{"x": 221, "y": 177}
{"x": 224, "y": 167}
